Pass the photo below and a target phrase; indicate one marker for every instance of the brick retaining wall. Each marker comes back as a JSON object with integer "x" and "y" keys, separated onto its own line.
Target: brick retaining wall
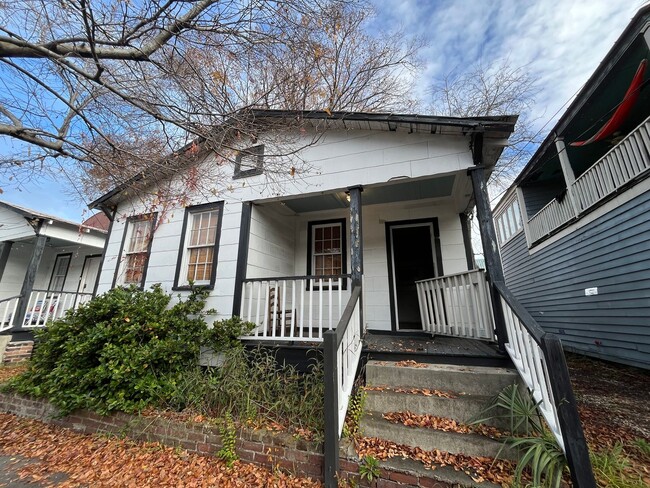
{"x": 270, "y": 449}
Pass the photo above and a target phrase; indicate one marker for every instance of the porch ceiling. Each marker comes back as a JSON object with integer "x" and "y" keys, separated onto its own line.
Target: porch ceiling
{"x": 396, "y": 191}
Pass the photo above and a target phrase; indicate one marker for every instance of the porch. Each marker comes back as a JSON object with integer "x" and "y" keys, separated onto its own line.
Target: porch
{"x": 44, "y": 276}
{"x": 572, "y": 185}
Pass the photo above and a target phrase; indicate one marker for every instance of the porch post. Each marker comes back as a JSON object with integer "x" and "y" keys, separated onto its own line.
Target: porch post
{"x": 5, "y": 249}
{"x": 28, "y": 282}
{"x": 242, "y": 255}
{"x": 356, "y": 239}
{"x": 567, "y": 171}
{"x": 488, "y": 236}
{"x": 356, "y": 245}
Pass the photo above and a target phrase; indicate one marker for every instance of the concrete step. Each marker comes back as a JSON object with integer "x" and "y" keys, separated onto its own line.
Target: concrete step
{"x": 474, "y": 380}
{"x": 373, "y": 425}
{"x": 445, "y": 475}
{"x": 463, "y": 408}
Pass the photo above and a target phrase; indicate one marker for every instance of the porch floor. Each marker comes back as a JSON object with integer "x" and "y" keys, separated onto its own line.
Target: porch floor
{"x": 439, "y": 349}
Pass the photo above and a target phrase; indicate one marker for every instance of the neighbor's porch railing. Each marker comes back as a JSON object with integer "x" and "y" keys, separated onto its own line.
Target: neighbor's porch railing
{"x": 294, "y": 308}
{"x": 551, "y": 216}
{"x": 626, "y": 161}
{"x": 539, "y": 359}
{"x": 457, "y": 305}
{"x": 43, "y": 306}
{"x": 8, "y": 307}
{"x": 341, "y": 355}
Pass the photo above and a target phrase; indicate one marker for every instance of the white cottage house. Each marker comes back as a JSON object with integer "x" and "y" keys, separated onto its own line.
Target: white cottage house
{"x": 360, "y": 231}
{"x": 47, "y": 266}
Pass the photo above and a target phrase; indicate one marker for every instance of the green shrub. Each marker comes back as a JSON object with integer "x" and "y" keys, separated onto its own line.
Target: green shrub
{"x": 224, "y": 334}
{"x": 121, "y": 351}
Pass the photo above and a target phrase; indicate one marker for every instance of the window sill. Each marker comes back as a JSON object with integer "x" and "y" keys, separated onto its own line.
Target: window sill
{"x": 207, "y": 286}
{"x": 247, "y": 173}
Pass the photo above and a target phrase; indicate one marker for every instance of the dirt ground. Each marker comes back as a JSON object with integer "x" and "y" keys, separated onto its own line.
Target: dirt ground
{"x": 613, "y": 400}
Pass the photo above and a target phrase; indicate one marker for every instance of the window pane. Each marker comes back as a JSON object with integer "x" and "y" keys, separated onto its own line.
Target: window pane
{"x": 517, "y": 211}
{"x": 134, "y": 267}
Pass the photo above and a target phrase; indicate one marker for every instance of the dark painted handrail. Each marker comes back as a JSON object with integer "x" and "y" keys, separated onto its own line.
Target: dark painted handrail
{"x": 527, "y": 320}
{"x": 307, "y": 277}
{"x": 575, "y": 445}
{"x": 331, "y": 341}
{"x": 10, "y": 298}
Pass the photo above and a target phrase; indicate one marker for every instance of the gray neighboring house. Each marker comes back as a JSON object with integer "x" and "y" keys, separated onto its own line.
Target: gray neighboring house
{"x": 574, "y": 228}
{"x": 48, "y": 265}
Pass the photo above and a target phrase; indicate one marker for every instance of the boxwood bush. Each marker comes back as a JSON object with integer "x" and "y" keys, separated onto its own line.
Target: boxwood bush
{"x": 121, "y": 351}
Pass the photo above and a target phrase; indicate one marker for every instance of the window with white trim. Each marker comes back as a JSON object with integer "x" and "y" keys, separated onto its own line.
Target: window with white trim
{"x": 327, "y": 248}
{"x": 135, "y": 250}
{"x": 509, "y": 222}
{"x": 198, "y": 254}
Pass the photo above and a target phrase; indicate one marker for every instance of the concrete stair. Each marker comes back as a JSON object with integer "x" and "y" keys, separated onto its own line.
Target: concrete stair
{"x": 402, "y": 387}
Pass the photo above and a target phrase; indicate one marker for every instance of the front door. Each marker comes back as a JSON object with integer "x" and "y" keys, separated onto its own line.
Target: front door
{"x": 89, "y": 274}
{"x": 412, "y": 257}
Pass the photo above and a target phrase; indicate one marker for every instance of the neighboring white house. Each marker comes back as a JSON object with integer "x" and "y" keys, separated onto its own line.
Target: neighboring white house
{"x": 47, "y": 265}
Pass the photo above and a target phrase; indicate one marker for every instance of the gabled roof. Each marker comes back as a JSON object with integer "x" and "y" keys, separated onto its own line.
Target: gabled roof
{"x": 497, "y": 128}
{"x": 30, "y": 214}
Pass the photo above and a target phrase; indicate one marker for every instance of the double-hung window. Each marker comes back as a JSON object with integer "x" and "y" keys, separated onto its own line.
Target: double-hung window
{"x": 197, "y": 259}
{"x": 136, "y": 247}
{"x": 326, "y": 243}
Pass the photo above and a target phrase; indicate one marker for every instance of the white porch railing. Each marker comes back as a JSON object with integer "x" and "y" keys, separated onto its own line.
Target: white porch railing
{"x": 42, "y": 307}
{"x": 624, "y": 162}
{"x": 294, "y": 308}
{"x": 8, "y": 307}
{"x": 341, "y": 354}
{"x": 551, "y": 216}
{"x": 627, "y": 160}
{"x": 457, "y": 305}
{"x": 525, "y": 348}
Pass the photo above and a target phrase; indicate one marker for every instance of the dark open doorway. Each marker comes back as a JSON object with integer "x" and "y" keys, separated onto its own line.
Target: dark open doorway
{"x": 413, "y": 254}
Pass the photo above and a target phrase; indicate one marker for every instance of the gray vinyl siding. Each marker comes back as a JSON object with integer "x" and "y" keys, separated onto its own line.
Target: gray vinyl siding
{"x": 611, "y": 253}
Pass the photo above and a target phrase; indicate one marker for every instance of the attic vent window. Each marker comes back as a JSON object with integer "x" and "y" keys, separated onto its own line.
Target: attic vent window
{"x": 249, "y": 162}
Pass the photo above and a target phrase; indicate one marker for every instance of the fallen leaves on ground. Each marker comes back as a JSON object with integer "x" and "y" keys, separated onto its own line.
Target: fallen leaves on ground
{"x": 101, "y": 461}
{"x": 478, "y": 468}
{"x": 613, "y": 400}
{"x": 410, "y": 364}
{"x": 410, "y": 419}
{"x": 413, "y": 391}
{"x": 8, "y": 372}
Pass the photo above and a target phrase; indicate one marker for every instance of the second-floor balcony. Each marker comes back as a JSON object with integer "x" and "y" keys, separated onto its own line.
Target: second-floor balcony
{"x": 627, "y": 162}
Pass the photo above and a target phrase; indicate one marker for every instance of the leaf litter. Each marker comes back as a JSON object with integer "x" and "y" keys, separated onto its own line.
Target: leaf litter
{"x": 101, "y": 461}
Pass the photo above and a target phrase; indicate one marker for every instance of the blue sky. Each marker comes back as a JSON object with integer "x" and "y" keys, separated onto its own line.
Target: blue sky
{"x": 561, "y": 43}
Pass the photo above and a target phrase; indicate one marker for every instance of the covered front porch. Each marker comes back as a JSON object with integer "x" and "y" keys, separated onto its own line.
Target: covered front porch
{"x": 47, "y": 274}
{"x": 405, "y": 244}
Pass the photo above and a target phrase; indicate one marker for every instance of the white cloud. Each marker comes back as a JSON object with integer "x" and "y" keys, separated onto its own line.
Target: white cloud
{"x": 561, "y": 43}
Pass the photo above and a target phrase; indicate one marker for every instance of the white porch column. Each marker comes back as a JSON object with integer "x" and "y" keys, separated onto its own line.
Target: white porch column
{"x": 567, "y": 171}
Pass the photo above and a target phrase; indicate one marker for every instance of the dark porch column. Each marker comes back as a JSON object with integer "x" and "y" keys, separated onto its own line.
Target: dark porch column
{"x": 5, "y": 249}
{"x": 356, "y": 239}
{"x": 488, "y": 235}
{"x": 28, "y": 283}
{"x": 242, "y": 254}
{"x": 356, "y": 244}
